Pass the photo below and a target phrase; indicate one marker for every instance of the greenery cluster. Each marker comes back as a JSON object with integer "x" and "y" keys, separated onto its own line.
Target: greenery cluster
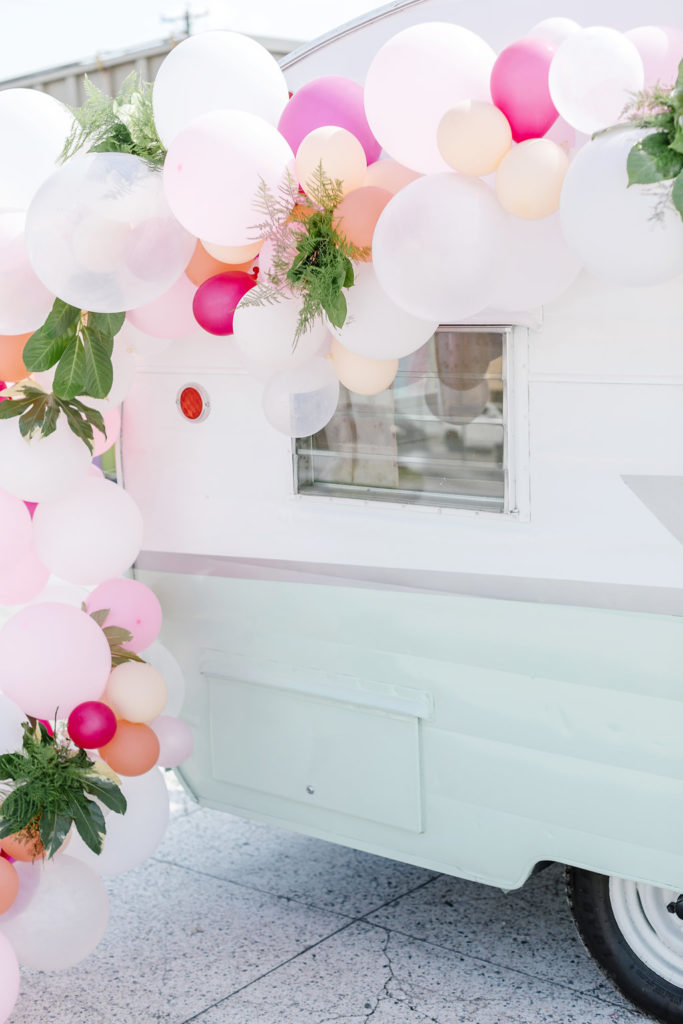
{"x": 311, "y": 257}
{"x": 124, "y": 124}
{"x": 51, "y": 788}
{"x": 659, "y": 156}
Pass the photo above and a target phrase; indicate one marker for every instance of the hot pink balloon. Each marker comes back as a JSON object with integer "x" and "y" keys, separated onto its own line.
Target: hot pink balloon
{"x": 132, "y": 606}
{"x": 330, "y": 100}
{"x": 9, "y": 978}
{"x": 175, "y": 740}
{"x": 169, "y": 316}
{"x": 216, "y": 300}
{"x": 519, "y": 87}
{"x": 91, "y": 724}
{"x": 23, "y": 580}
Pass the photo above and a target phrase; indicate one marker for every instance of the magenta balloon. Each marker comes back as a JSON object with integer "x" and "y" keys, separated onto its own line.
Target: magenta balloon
{"x": 91, "y": 724}
{"x": 330, "y": 100}
{"x": 216, "y": 299}
{"x": 132, "y": 606}
{"x": 519, "y": 87}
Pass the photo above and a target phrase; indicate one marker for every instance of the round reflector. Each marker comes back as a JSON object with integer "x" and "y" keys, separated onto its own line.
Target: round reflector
{"x": 193, "y": 402}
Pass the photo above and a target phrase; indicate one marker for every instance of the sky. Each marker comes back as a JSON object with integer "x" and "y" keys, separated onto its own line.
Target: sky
{"x": 39, "y": 34}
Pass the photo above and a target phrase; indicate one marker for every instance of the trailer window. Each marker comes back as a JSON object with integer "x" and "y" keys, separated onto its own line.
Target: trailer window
{"x": 436, "y": 437}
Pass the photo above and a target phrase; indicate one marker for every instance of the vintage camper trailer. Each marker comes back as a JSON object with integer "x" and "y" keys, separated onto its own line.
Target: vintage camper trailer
{"x": 446, "y": 629}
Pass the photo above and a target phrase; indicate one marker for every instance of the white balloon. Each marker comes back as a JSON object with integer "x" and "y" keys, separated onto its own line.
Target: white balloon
{"x": 45, "y": 467}
{"x": 417, "y": 76}
{"x": 265, "y": 334}
{"x": 134, "y": 836}
{"x": 216, "y": 71}
{"x": 302, "y": 401}
{"x": 100, "y": 234}
{"x": 436, "y": 247}
{"x": 554, "y": 30}
{"x": 375, "y": 326}
{"x": 38, "y": 126}
{"x": 539, "y": 265}
{"x": 24, "y": 300}
{"x": 125, "y": 366}
{"x": 64, "y": 921}
{"x": 11, "y": 719}
{"x": 613, "y": 228}
{"x": 15, "y": 530}
{"x": 161, "y": 658}
{"x": 89, "y": 535}
{"x": 141, "y": 343}
{"x": 592, "y": 77}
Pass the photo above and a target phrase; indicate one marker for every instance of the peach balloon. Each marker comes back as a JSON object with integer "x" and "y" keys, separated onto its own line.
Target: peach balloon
{"x": 390, "y": 175}
{"x": 340, "y": 153}
{"x": 235, "y": 255}
{"x": 9, "y": 885}
{"x": 11, "y": 363}
{"x": 136, "y": 692}
{"x": 360, "y": 375}
{"x": 473, "y": 137}
{"x": 358, "y": 213}
{"x": 529, "y": 179}
{"x": 25, "y": 845}
{"x": 203, "y": 265}
{"x": 134, "y": 749}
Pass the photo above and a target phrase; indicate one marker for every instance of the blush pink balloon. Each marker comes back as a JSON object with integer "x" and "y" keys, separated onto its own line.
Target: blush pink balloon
{"x": 132, "y": 606}
{"x": 15, "y": 529}
{"x": 175, "y": 740}
{"x": 112, "y": 425}
{"x": 661, "y": 49}
{"x": 24, "y": 579}
{"x": 52, "y": 657}
{"x": 519, "y": 87}
{"x": 216, "y": 300}
{"x": 169, "y": 316}
{"x": 331, "y": 100}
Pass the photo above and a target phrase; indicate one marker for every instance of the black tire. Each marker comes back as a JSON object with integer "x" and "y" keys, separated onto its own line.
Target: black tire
{"x": 591, "y": 907}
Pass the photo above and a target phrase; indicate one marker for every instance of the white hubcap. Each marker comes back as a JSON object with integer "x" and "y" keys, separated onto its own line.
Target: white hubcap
{"x": 654, "y": 934}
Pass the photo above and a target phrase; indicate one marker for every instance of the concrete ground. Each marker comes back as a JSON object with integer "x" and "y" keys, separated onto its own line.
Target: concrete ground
{"x": 238, "y": 923}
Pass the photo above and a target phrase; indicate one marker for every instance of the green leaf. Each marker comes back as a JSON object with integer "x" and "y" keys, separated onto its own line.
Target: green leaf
{"x": 100, "y": 616}
{"x": 107, "y": 324}
{"x": 652, "y": 159}
{"x": 78, "y": 425}
{"x": 89, "y": 821}
{"x": 54, "y": 828}
{"x": 106, "y": 792}
{"x": 71, "y": 372}
{"x": 14, "y": 407}
{"x": 676, "y": 195}
{"x": 62, "y": 317}
{"x": 42, "y": 351}
{"x": 33, "y": 419}
{"x": 119, "y": 655}
{"x": 336, "y": 309}
{"x": 350, "y": 276}
{"x": 18, "y": 809}
{"x": 99, "y": 373}
{"x": 10, "y": 765}
{"x": 117, "y": 635}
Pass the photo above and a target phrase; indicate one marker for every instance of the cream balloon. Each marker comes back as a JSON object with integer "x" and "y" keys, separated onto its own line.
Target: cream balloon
{"x": 529, "y": 179}
{"x": 136, "y": 692}
{"x": 473, "y": 137}
{"x": 338, "y": 151}
{"x": 360, "y": 375}
{"x": 233, "y": 255}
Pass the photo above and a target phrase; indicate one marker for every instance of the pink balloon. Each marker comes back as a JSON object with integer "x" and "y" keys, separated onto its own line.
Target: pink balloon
{"x": 661, "y": 49}
{"x": 175, "y": 740}
{"x": 23, "y": 580}
{"x": 330, "y": 100}
{"x": 52, "y": 656}
{"x": 216, "y": 300}
{"x": 31, "y": 506}
{"x": 112, "y": 422}
{"x": 519, "y": 87}
{"x": 169, "y": 316}
{"x": 9, "y": 978}
{"x": 91, "y": 724}
{"x": 15, "y": 529}
{"x": 132, "y": 606}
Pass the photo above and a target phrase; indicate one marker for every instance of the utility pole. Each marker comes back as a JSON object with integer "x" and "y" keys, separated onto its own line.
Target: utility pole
{"x": 186, "y": 17}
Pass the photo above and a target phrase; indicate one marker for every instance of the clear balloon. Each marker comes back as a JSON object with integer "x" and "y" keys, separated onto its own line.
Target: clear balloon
{"x": 539, "y": 267}
{"x": 38, "y": 126}
{"x": 125, "y": 366}
{"x": 473, "y": 137}
{"x": 89, "y": 535}
{"x": 338, "y": 151}
{"x": 23, "y": 580}
{"x": 592, "y": 77}
{"x": 529, "y": 179}
{"x": 444, "y": 267}
{"x": 45, "y": 467}
{"x": 161, "y": 658}
{"x": 52, "y": 656}
{"x": 136, "y": 692}
{"x": 175, "y": 740}
{"x": 216, "y": 71}
{"x": 24, "y": 300}
{"x": 213, "y": 172}
{"x": 265, "y": 334}
{"x": 376, "y": 327}
{"x": 64, "y": 921}
{"x": 330, "y": 100}
{"x": 612, "y": 228}
{"x": 301, "y": 401}
{"x": 360, "y": 375}
{"x": 132, "y": 606}
{"x": 9, "y": 978}
{"x": 414, "y": 79}
{"x": 519, "y": 87}
{"x": 100, "y": 235}
{"x": 169, "y": 315}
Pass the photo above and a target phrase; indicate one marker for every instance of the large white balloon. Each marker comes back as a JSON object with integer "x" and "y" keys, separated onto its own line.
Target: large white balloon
{"x": 214, "y": 169}
{"x": 64, "y": 921}
{"x": 161, "y": 658}
{"x": 100, "y": 234}
{"x": 134, "y": 836}
{"x": 538, "y": 267}
{"x": 11, "y": 719}
{"x": 302, "y": 401}
{"x": 414, "y": 79}
{"x": 45, "y": 467}
{"x": 554, "y": 30}
{"x": 626, "y": 235}
{"x": 265, "y": 334}
{"x": 216, "y": 71}
{"x": 436, "y": 247}
{"x": 15, "y": 529}
{"x": 375, "y": 326}
{"x": 592, "y": 77}
{"x": 24, "y": 300}
{"x": 38, "y": 126}
{"x": 90, "y": 534}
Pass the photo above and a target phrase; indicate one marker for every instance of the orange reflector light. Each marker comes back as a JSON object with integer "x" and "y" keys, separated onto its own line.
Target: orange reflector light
{"x": 193, "y": 402}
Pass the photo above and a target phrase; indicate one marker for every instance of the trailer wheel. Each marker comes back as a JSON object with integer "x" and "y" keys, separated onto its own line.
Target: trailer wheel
{"x": 635, "y": 933}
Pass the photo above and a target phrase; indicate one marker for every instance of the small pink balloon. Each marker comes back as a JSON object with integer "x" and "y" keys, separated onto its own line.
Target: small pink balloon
{"x": 91, "y": 724}
{"x": 519, "y": 87}
{"x": 15, "y": 529}
{"x": 112, "y": 424}
{"x": 132, "y": 606}
{"x": 23, "y": 580}
{"x": 169, "y": 316}
{"x": 9, "y": 978}
{"x": 216, "y": 300}
{"x": 175, "y": 740}
{"x": 330, "y": 100}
